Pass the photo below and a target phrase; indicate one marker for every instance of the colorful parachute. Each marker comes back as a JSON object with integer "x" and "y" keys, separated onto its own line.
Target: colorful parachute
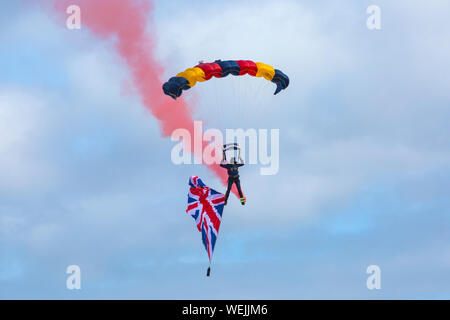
{"x": 219, "y": 69}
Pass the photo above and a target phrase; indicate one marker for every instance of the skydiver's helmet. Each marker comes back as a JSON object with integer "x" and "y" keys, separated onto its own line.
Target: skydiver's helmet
{"x": 233, "y": 160}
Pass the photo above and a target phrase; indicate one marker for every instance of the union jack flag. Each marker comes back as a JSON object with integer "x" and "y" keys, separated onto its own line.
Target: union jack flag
{"x": 205, "y": 205}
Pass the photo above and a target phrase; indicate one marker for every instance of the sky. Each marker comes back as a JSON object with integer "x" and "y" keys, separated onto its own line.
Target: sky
{"x": 86, "y": 176}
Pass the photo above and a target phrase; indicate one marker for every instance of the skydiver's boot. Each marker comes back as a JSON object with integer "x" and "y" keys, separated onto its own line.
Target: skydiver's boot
{"x": 243, "y": 200}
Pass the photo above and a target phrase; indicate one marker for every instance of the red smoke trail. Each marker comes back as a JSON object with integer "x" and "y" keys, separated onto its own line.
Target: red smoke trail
{"x": 127, "y": 22}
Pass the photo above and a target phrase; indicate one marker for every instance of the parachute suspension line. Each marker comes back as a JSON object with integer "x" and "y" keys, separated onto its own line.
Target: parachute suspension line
{"x": 242, "y": 109}
{"x": 257, "y": 99}
{"x": 238, "y": 101}
{"x": 262, "y": 105}
{"x": 249, "y": 100}
{"x": 229, "y": 95}
{"x": 243, "y": 93}
{"x": 268, "y": 108}
{"x": 236, "y": 110}
{"x": 219, "y": 107}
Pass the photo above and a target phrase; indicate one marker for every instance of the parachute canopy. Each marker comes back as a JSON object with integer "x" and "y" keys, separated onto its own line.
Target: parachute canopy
{"x": 220, "y": 69}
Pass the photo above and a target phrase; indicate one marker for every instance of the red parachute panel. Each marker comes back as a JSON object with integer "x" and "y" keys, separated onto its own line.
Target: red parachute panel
{"x": 210, "y": 70}
{"x": 247, "y": 66}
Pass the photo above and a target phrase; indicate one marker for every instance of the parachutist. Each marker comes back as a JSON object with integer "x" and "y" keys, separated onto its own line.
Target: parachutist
{"x": 233, "y": 176}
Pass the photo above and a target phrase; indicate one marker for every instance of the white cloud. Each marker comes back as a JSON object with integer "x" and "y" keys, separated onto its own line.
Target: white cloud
{"x": 22, "y": 127}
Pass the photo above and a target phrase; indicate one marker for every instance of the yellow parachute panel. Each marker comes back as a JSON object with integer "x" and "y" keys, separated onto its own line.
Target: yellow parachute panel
{"x": 192, "y": 75}
{"x": 264, "y": 70}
